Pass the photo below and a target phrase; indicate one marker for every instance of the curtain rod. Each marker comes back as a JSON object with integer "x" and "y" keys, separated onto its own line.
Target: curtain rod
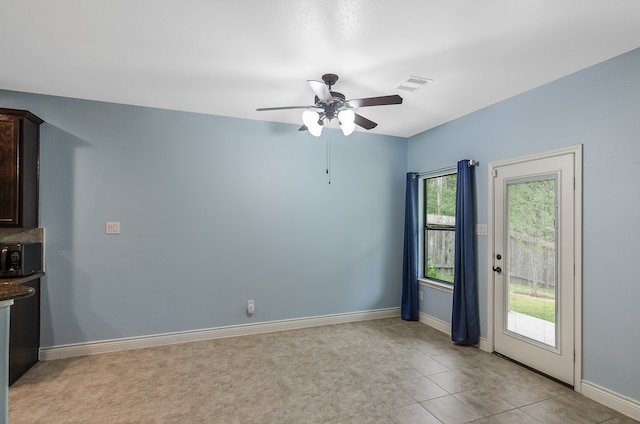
{"x": 443, "y": 170}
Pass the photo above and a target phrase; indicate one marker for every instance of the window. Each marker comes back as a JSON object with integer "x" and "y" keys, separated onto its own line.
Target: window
{"x": 439, "y": 218}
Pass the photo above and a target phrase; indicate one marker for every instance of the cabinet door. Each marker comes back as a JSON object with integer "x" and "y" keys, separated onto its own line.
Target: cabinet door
{"x": 9, "y": 173}
{"x": 24, "y": 333}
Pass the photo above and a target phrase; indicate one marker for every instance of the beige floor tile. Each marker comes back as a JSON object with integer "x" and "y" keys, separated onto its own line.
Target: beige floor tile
{"x": 623, "y": 419}
{"x": 426, "y": 365}
{"x": 68, "y": 411}
{"x": 118, "y": 418}
{"x": 367, "y": 419}
{"x": 455, "y": 381}
{"x": 387, "y": 396}
{"x": 521, "y": 393}
{"x": 484, "y": 401}
{"x": 412, "y": 414}
{"x": 515, "y": 416}
{"x": 450, "y": 410}
{"x": 422, "y": 389}
{"x": 27, "y": 415}
{"x": 569, "y": 409}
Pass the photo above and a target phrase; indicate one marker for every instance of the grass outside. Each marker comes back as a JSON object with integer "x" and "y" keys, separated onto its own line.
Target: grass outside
{"x": 543, "y": 306}
{"x": 433, "y": 272}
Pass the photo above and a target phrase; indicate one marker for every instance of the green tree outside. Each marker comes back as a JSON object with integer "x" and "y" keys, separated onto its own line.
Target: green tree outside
{"x": 441, "y": 195}
{"x": 532, "y": 224}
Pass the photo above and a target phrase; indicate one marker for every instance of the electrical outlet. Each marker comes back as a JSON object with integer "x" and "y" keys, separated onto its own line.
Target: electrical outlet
{"x": 250, "y": 307}
{"x": 112, "y": 228}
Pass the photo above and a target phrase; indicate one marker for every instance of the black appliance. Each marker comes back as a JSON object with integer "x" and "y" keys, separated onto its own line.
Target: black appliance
{"x": 20, "y": 259}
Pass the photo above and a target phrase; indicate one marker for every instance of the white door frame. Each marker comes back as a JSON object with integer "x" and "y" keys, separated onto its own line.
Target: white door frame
{"x": 576, "y": 150}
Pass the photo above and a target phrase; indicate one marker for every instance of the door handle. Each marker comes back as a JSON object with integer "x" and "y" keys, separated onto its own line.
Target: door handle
{"x": 497, "y": 269}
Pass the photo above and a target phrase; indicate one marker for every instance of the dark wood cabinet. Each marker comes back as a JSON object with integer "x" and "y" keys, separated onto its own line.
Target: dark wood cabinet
{"x": 19, "y": 180}
{"x": 24, "y": 333}
{"x": 19, "y": 168}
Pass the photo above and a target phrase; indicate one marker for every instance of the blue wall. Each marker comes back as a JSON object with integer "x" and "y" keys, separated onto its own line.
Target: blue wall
{"x": 214, "y": 211}
{"x": 599, "y": 108}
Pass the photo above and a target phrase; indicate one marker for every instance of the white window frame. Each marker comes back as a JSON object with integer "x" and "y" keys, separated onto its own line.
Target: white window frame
{"x": 424, "y": 281}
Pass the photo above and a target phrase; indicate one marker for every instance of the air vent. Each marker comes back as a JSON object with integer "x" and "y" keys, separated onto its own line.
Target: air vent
{"x": 413, "y": 83}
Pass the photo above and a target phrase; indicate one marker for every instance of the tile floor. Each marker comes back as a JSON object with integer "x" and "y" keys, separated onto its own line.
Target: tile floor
{"x": 382, "y": 371}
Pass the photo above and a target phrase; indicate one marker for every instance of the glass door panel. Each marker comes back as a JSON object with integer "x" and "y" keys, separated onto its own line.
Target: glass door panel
{"x": 531, "y": 283}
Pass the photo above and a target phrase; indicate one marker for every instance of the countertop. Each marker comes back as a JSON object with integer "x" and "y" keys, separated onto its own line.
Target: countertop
{"x": 12, "y": 288}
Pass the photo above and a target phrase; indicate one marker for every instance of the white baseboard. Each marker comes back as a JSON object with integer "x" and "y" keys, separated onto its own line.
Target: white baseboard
{"x": 445, "y": 327}
{"x": 612, "y": 399}
{"x": 105, "y": 346}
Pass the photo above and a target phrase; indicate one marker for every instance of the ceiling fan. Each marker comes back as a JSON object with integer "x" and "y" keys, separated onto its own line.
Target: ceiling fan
{"x": 334, "y": 105}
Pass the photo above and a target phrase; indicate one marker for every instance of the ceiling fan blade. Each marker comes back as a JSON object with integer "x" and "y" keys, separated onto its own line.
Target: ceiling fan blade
{"x": 376, "y": 101}
{"x": 364, "y": 122}
{"x": 285, "y": 107}
{"x": 303, "y": 128}
{"x": 321, "y": 90}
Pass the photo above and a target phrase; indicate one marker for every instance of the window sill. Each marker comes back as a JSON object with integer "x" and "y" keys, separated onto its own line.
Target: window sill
{"x": 436, "y": 285}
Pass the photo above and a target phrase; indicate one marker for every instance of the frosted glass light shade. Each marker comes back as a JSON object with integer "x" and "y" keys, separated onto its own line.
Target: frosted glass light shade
{"x": 310, "y": 119}
{"x": 347, "y": 118}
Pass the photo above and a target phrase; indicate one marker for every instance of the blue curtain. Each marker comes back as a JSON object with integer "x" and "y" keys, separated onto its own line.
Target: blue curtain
{"x": 465, "y": 322}
{"x": 409, "y": 310}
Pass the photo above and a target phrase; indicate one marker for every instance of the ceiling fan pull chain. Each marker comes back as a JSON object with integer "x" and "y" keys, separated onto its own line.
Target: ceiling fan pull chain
{"x": 329, "y": 158}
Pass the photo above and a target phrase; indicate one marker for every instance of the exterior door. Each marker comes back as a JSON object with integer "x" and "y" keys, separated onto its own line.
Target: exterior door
{"x": 534, "y": 240}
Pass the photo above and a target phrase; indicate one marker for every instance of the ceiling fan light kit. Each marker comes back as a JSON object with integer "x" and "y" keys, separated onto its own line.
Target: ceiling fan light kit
{"x": 347, "y": 118}
{"x": 334, "y": 105}
{"x": 312, "y": 121}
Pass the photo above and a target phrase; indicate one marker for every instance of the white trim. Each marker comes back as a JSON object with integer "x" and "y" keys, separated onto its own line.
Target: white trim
{"x": 484, "y": 345}
{"x": 105, "y": 346}
{"x": 491, "y": 248}
{"x": 435, "y": 323}
{"x": 6, "y": 303}
{"x": 445, "y": 328}
{"x": 576, "y": 150}
{"x": 421, "y": 177}
{"x": 447, "y": 288}
{"x": 612, "y": 399}
{"x": 577, "y": 269}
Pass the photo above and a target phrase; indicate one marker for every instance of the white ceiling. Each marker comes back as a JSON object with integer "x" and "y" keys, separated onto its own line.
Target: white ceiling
{"x": 228, "y": 58}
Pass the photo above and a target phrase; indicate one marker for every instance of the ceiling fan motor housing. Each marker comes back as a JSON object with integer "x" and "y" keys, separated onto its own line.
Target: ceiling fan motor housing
{"x": 331, "y": 109}
{"x": 329, "y": 79}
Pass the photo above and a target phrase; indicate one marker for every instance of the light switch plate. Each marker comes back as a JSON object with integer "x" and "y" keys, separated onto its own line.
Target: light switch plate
{"x": 112, "y": 228}
{"x": 481, "y": 229}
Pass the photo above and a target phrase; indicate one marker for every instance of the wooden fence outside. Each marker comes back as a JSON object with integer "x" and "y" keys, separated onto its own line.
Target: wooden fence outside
{"x": 530, "y": 260}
